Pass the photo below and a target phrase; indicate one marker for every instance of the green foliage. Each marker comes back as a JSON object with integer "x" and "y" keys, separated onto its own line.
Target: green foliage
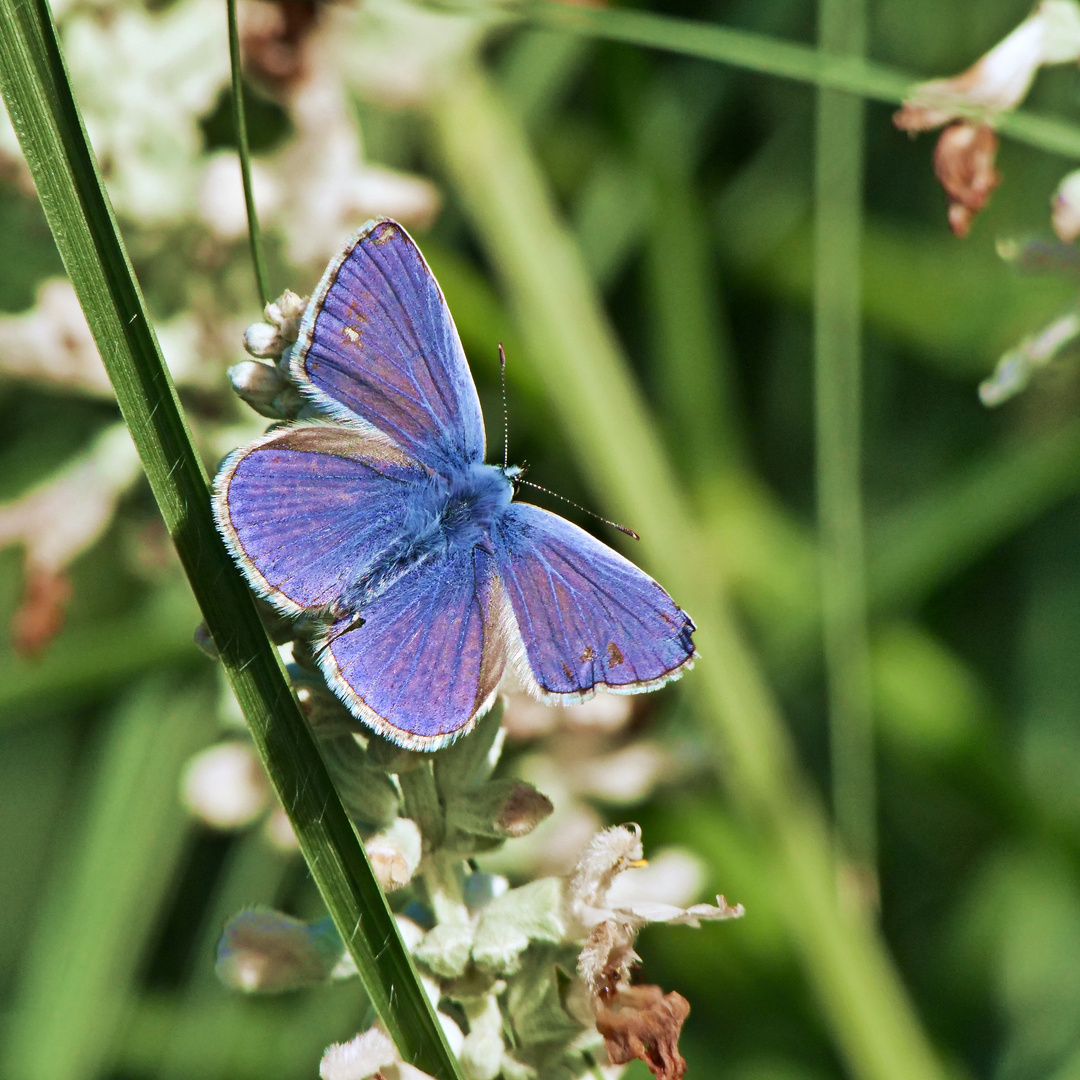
{"x": 631, "y": 211}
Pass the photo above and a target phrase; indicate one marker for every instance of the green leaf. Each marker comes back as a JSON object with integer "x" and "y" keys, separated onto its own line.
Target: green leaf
{"x": 534, "y": 1002}
{"x": 511, "y": 921}
{"x": 445, "y": 949}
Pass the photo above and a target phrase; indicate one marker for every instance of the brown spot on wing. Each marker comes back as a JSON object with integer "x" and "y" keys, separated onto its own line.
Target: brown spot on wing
{"x": 384, "y": 234}
{"x": 350, "y": 335}
{"x": 588, "y": 654}
{"x": 569, "y": 674}
{"x": 615, "y": 656}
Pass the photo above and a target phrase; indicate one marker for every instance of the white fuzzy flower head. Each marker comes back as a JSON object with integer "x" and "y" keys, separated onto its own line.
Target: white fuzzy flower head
{"x": 609, "y": 928}
{"x": 608, "y": 854}
{"x": 359, "y": 1058}
{"x": 370, "y": 1054}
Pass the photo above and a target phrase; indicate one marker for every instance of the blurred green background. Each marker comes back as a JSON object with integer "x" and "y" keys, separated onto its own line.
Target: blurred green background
{"x": 689, "y": 191}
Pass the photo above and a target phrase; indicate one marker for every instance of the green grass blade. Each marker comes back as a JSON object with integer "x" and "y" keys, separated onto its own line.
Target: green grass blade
{"x": 100, "y": 911}
{"x": 838, "y": 214}
{"x": 39, "y": 99}
{"x": 244, "y": 149}
{"x": 784, "y": 59}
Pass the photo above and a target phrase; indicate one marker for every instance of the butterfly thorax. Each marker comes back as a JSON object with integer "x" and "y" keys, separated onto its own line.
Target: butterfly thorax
{"x": 456, "y": 511}
{"x": 449, "y": 514}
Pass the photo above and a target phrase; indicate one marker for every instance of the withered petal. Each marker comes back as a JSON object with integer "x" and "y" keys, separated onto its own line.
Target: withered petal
{"x": 643, "y": 1022}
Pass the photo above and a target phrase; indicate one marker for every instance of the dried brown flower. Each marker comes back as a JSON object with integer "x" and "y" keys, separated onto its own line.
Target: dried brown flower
{"x": 273, "y": 36}
{"x": 978, "y": 97}
{"x": 42, "y": 611}
{"x": 964, "y": 164}
{"x": 643, "y": 1022}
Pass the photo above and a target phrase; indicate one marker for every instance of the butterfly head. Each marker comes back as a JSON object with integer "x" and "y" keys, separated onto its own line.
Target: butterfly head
{"x": 514, "y": 473}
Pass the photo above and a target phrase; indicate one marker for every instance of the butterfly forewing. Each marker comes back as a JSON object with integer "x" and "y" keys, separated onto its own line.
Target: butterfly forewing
{"x": 587, "y": 617}
{"x": 378, "y": 345}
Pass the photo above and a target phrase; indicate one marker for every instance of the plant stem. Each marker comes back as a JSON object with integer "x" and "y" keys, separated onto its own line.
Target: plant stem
{"x": 838, "y": 167}
{"x": 244, "y": 149}
{"x": 758, "y": 52}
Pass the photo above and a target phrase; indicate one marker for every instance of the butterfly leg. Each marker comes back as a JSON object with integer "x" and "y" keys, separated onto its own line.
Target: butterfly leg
{"x": 338, "y": 630}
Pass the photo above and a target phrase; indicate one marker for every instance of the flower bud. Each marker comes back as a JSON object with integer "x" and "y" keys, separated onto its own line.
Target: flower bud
{"x": 263, "y": 951}
{"x": 1065, "y": 213}
{"x": 225, "y": 786}
{"x": 395, "y": 853}
{"x": 497, "y": 809}
{"x": 285, "y": 313}
{"x": 265, "y": 387}
{"x": 262, "y": 340}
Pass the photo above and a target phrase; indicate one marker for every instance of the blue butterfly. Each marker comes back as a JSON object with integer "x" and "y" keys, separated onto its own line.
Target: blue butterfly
{"x": 425, "y": 577}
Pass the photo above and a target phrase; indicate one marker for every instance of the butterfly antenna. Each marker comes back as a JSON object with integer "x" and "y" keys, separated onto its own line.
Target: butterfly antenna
{"x": 578, "y": 506}
{"x": 506, "y": 415}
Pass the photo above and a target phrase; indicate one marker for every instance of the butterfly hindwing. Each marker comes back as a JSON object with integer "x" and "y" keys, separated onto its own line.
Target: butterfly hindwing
{"x": 307, "y": 508}
{"x": 378, "y": 345}
{"x": 425, "y": 663}
{"x": 587, "y": 617}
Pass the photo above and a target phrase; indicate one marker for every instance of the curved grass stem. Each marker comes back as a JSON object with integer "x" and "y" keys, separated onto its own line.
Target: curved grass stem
{"x": 244, "y": 149}
{"x": 586, "y": 376}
